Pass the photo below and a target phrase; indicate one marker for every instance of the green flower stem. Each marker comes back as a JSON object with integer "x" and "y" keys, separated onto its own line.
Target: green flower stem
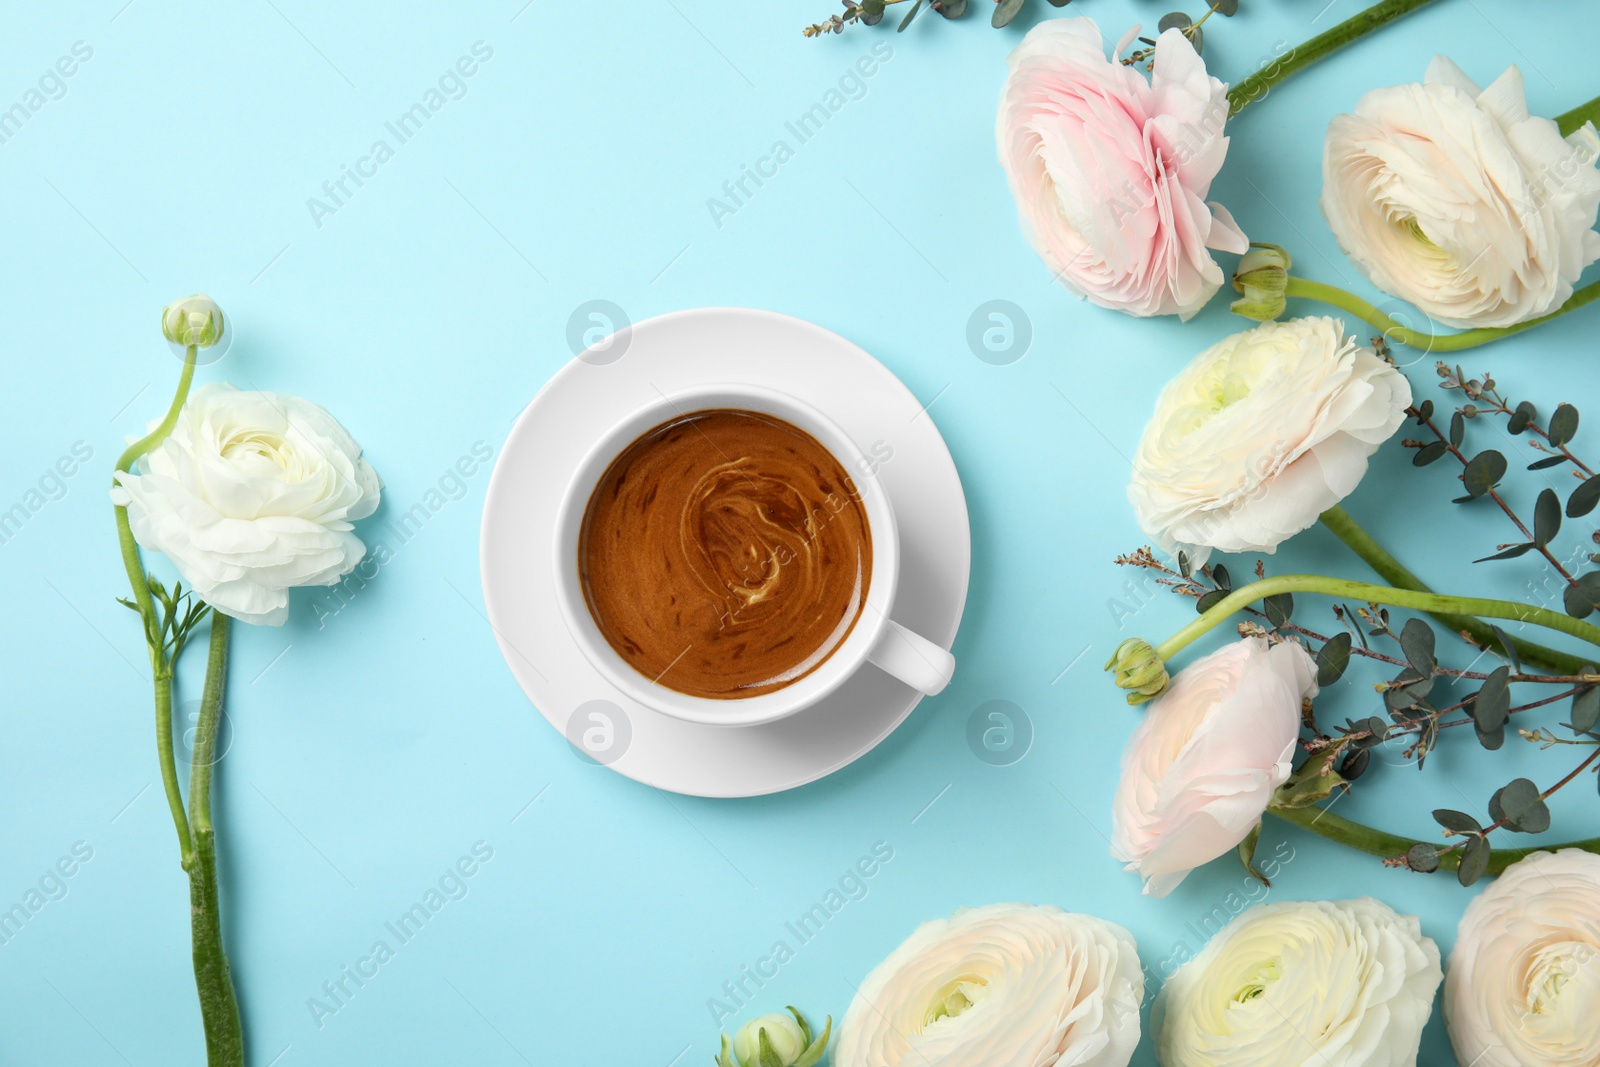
{"x": 1428, "y": 342}
{"x": 1571, "y": 120}
{"x": 219, "y": 1008}
{"x": 1258, "y": 84}
{"x": 1391, "y": 570}
{"x": 160, "y": 667}
{"x": 1377, "y": 594}
{"x": 1390, "y": 846}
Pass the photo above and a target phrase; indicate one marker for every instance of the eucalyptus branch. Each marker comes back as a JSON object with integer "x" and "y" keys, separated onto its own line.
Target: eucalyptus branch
{"x": 1522, "y": 417}
{"x": 1451, "y": 446}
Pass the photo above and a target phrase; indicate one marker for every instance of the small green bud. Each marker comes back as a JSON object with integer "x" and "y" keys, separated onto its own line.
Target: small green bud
{"x": 1138, "y": 669}
{"x": 193, "y": 321}
{"x": 1262, "y": 276}
{"x": 776, "y": 1040}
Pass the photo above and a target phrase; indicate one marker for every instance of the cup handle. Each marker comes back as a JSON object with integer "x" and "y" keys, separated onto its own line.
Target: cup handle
{"x": 912, "y": 658}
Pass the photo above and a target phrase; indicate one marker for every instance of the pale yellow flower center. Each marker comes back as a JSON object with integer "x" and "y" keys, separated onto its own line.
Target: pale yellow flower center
{"x": 955, "y": 998}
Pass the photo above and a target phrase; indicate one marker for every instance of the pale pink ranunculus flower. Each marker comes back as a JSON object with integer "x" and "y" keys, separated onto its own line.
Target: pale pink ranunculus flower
{"x": 1110, "y": 172}
{"x": 1523, "y": 988}
{"x": 1202, "y": 765}
{"x": 1459, "y": 201}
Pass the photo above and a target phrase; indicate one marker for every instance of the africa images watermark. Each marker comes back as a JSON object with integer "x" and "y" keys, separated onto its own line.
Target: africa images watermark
{"x": 50, "y": 886}
{"x": 327, "y": 602}
{"x": 338, "y": 991}
{"x": 452, "y": 85}
{"x": 737, "y": 191}
{"x": 51, "y": 486}
{"x": 851, "y": 886}
{"x": 51, "y": 85}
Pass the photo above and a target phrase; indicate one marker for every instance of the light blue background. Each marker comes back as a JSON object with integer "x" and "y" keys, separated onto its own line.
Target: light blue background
{"x": 369, "y": 754}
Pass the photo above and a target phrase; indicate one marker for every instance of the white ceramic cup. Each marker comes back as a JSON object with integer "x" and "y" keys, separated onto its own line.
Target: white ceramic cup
{"x": 874, "y": 639}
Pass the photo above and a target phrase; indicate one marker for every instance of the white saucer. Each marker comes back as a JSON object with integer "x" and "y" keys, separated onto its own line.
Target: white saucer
{"x": 594, "y": 391}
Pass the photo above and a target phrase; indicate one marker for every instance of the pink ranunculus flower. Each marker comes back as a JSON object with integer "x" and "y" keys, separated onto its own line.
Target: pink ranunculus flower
{"x": 1202, "y": 766}
{"x": 1110, "y": 172}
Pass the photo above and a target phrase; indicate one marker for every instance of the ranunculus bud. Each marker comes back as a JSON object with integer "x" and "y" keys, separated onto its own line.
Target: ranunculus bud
{"x": 193, "y": 321}
{"x": 1262, "y": 276}
{"x": 1138, "y": 669}
{"x": 775, "y": 1040}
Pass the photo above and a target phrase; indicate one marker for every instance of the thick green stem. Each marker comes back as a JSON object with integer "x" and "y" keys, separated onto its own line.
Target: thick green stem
{"x": 1572, "y": 120}
{"x": 1391, "y": 846}
{"x": 1428, "y": 342}
{"x": 1391, "y": 570}
{"x": 1261, "y": 82}
{"x": 1375, "y": 594}
{"x": 160, "y": 667}
{"x": 219, "y": 1007}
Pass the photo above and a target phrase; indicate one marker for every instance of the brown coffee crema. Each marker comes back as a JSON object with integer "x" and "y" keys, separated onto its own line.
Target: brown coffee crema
{"x": 725, "y": 554}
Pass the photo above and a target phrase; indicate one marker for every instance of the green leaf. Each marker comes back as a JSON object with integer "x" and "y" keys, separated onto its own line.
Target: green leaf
{"x": 1546, "y": 517}
{"x": 727, "y": 1058}
{"x": 1247, "y": 855}
{"x": 1458, "y": 428}
{"x": 1004, "y": 12}
{"x": 951, "y": 9}
{"x": 909, "y": 16}
{"x": 1520, "y": 418}
{"x": 1226, "y": 8}
{"x": 1474, "y": 861}
{"x": 1355, "y": 763}
{"x": 1424, "y": 412}
{"x": 1507, "y": 646}
{"x": 1520, "y": 806}
{"x": 1423, "y": 857}
{"x": 800, "y": 1021}
{"x": 814, "y": 1051}
{"x": 1278, "y": 609}
{"x": 1584, "y": 498}
{"x": 1547, "y": 462}
{"x": 1563, "y": 425}
{"x": 1586, "y": 706}
{"x": 1492, "y": 703}
{"x": 1581, "y": 599}
{"x": 1175, "y": 20}
{"x": 1211, "y": 600}
{"x": 1510, "y": 553}
{"x": 1428, "y": 453}
{"x": 1457, "y": 822}
{"x": 1417, "y": 642}
{"x": 767, "y": 1056}
{"x": 1219, "y": 574}
{"x": 1332, "y": 659}
{"x": 1307, "y": 785}
{"x": 1059, "y": 3}
{"x": 1185, "y": 567}
{"x": 1483, "y": 472}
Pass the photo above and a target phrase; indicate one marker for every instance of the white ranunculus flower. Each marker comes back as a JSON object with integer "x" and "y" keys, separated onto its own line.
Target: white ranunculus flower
{"x": 1524, "y": 982}
{"x": 252, "y": 495}
{"x": 1459, "y": 201}
{"x": 1205, "y": 760}
{"x": 1344, "y": 983}
{"x": 1011, "y": 984}
{"x": 1260, "y": 434}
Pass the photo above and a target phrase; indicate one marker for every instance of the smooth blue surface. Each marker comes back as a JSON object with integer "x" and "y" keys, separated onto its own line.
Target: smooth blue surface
{"x": 372, "y": 750}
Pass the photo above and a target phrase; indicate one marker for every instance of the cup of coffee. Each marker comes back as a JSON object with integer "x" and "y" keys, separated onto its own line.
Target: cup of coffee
{"x": 727, "y": 555}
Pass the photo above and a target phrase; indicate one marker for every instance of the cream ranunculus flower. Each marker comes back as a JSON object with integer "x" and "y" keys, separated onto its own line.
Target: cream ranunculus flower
{"x": 1459, "y": 201}
{"x": 253, "y": 494}
{"x": 1260, "y": 434}
{"x": 1203, "y": 763}
{"x": 1009, "y": 984}
{"x": 1345, "y": 983}
{"x": 1110, "y": 172}
{"x": 1524, "y": 982}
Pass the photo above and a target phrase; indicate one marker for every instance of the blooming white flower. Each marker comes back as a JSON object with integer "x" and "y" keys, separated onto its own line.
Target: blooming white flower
{"x": 1523, "y": 988}
{"x": 1110, "y": 172}
{"x": 1459, "y": 201}
{"x": 1203, "y": 763}
{"x": 1011, "y": 984}
{"x": 251, "y": 495}
{"x": 1346, "y": 983}
{"x": 1260, "y": 434}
